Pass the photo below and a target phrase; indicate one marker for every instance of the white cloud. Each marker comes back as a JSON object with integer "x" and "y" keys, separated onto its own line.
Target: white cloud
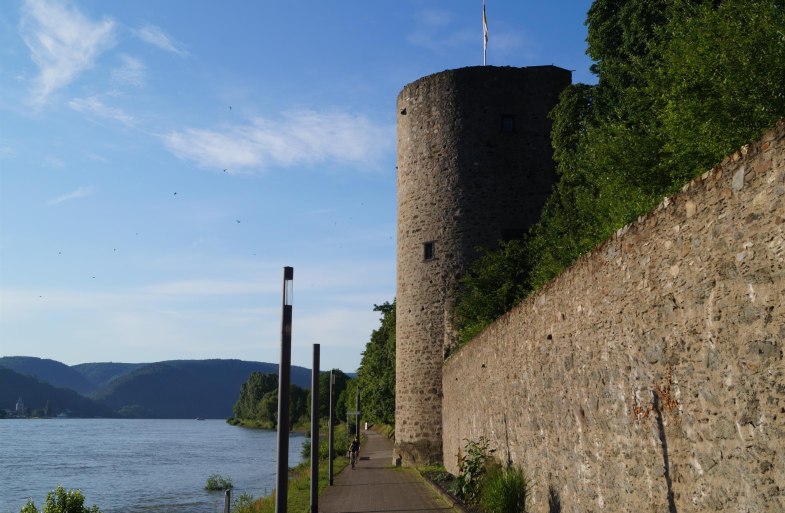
{"x": 131, "y": 71}
{"x": 297, "y": 138}
{"x": 63, "y": 43}
{"x": 81, "y": 192}
{"x": 94, "y": 106}
{"x": 155, "y": 36}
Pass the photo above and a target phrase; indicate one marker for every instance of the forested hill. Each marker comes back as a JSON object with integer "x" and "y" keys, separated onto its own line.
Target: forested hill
{"x": 53, "y": 372}
{"x": 38, "y": 395}
{"x": 170, "y": 389}
{"x": 100, "y": 374}
{"x": 186, "y": 388}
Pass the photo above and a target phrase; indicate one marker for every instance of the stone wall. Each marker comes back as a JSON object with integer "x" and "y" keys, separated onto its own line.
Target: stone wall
{"x": 649, "y": 377}
{"x": 464, "y": 178}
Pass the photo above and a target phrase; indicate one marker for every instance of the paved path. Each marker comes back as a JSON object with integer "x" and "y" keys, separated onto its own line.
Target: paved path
{"x": 374, "y": 486}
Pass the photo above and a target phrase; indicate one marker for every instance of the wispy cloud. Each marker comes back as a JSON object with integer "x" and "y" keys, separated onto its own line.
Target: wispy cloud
{"x": 506, "y": 42}
{"x": 210, "y": 288}
{"x": 296, "y": 138}
{"x": 7, "y": 149}
{"x": 93, "y": 105}
{"x": 438, "y": 31}
{"x": 97, "y": 158}
{"x": 434, "y": 30}
{"x": 63, "y": 43}
{"x": 81, "y": 192}
{"x": 53, "y": 162}
{"x": 131, "y": 71}
{"x": 157, "y": 37}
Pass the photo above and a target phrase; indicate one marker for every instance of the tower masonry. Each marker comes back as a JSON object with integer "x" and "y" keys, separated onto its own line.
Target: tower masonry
{"x": 474, "y": 167}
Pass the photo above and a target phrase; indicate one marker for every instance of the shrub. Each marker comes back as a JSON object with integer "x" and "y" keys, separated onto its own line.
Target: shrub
{"x": 504, "y": 490}
{"x": 217, "y": 482}
{"x": 305, "y": 450}
{"x": 61, "y": 500}
{"x": 471, "y": 469}
{"x": 244, "y": 503}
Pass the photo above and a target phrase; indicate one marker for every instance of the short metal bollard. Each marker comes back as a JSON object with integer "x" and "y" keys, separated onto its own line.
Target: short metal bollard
{"x": 227, "y": 500}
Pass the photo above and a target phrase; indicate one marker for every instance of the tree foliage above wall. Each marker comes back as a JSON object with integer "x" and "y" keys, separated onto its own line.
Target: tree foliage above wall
{"x": 680, "y": 85}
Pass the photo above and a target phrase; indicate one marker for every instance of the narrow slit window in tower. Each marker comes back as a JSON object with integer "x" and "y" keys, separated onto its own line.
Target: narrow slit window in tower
{"x": 508, "y": 124}
{"x": 428, "y": 250}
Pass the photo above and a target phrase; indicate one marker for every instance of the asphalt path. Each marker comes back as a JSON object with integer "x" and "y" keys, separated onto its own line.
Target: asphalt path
{"x": 375, "y": 486}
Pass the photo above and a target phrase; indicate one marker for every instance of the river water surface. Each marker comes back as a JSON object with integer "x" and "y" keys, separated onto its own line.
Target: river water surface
{"x": 130, "y": 466}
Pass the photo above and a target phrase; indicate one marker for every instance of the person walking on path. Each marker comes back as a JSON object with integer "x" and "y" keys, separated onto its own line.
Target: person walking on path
{"x": 381, "y": 487}
{"x": 354, "y": 450}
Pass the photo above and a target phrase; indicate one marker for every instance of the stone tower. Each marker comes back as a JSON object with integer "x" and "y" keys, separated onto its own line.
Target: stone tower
{"x": 474, "y": 167}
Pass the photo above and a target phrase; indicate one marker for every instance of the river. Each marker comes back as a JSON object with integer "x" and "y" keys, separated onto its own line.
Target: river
{"x": 134, "y": 466}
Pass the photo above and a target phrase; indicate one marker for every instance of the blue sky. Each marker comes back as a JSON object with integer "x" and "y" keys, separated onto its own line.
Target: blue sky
{"x": 161, "y": 162}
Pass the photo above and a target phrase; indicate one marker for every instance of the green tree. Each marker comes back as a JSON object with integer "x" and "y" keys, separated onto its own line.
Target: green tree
{"x": 267, "y": 408}
{"x": 324, "y": 391}
{"x": 376, "y": 375}
{"x": 251, "y": 394}
{"x": 258, "y": 401}
{"x": 349, "y": 399}
{"x": 496, "y": 282}
{"x": 721, "y": 81}
{"x": 299, "y": 410}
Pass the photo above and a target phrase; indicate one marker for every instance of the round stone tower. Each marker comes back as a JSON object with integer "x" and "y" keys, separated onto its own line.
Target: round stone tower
{"x": 474, "y": 167}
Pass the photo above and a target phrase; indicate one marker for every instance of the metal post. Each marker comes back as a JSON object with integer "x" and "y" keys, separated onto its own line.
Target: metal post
{"x": 227, "y": 500}
{"x": 330, "y": 431}
{"x": 284, "y": 380}
{"x": 315, "y": 431}
{"x": 357, "y": 414}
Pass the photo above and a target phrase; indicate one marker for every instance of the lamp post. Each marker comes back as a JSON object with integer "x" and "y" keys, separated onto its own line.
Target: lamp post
{"x": 330, "y": 431}
{"x": 284, "y": 380}
{"x": 315, "y": 431}
{"x": 357, "y": 414}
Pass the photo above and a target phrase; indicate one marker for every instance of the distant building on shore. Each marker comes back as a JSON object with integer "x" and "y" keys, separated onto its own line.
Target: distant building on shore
{"x": 20, "y": 406}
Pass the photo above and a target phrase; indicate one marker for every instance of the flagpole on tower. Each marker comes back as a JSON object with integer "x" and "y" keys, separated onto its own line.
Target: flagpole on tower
{"x": 484, "y": 34}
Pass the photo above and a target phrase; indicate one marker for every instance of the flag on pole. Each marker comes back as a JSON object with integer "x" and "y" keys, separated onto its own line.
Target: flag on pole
{"x": 484, "y": 33}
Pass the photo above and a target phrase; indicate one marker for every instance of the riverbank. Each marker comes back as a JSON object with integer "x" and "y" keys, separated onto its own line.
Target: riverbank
{"x": 299, "y": 487}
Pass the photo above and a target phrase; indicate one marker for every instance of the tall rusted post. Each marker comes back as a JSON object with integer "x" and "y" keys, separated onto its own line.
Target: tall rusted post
{"x": 315, "y": 431}
{"x": 330, "y": 431}
{"x": 284, "y": 381}
{"x": 227, "y": 500}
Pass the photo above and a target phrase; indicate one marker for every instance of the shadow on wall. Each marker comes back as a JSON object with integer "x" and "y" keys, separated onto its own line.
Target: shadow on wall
{"x": 665, "y": 459}
{"x": 554, "y": 502}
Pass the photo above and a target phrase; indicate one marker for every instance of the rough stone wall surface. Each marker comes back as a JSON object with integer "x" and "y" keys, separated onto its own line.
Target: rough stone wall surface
{"x": 462, "y": 182}
{"x": 649, "y": 377}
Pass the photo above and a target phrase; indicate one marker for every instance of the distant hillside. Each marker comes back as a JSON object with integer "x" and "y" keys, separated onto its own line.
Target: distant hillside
{"x": 35, "y": 395}
{"x": 55, "y": 373}
{"x": 100, "y": 374}
{"x": 186, "y": 388}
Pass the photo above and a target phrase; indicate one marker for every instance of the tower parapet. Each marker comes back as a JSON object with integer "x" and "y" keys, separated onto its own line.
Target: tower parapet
{"x": 474, "y": 167}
